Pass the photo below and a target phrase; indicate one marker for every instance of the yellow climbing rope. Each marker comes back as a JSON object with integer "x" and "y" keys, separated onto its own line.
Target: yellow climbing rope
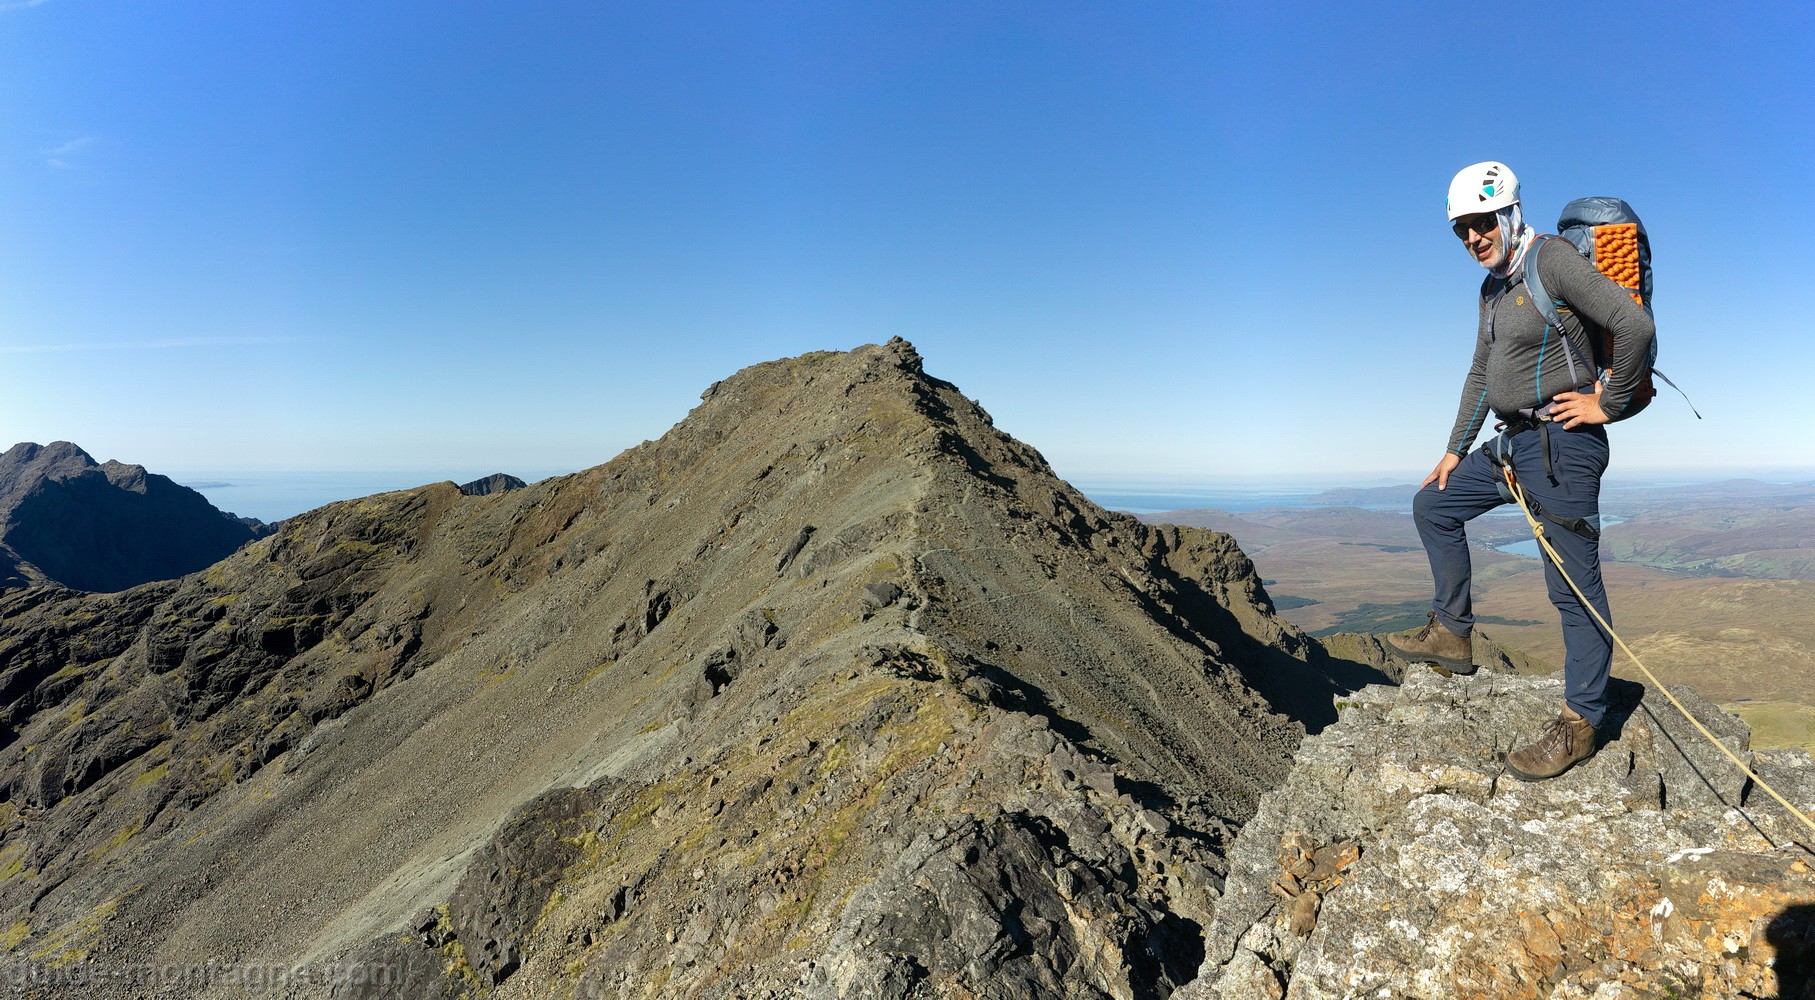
{"x": 1537, "y": 530}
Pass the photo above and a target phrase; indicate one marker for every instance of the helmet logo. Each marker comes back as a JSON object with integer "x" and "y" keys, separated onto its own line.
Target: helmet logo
{"x": 1487, "y": 182}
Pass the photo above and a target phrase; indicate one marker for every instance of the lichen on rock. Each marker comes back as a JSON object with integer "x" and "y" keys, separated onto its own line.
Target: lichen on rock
{"x": 1651, "y": 870}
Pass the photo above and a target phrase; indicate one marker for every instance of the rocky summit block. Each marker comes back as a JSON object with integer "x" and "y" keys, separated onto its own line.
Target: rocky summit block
{"x": 497, "y": 482}
{"x": 834, "y": 690}
{"x": 1655, "y": 869}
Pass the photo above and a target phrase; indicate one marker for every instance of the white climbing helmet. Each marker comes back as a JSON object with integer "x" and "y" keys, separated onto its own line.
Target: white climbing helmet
{"x": 1482, "y": 187}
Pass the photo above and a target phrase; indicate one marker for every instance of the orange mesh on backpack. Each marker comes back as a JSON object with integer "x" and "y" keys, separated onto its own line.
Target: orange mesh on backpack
{"x": 1616, "y": 254}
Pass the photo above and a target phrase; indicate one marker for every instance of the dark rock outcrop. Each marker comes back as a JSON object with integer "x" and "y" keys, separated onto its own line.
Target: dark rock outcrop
{"x": 497, "y": 482}
{"x": 69, "y": 521}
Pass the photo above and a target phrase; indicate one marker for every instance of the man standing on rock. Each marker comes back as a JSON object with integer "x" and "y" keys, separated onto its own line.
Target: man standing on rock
{"x": 1551, "y": 410}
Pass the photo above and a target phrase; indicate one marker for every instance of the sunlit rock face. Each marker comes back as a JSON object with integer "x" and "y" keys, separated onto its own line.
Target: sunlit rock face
{"x": 1654, "y": 869}
{"x": 833, "y": 690}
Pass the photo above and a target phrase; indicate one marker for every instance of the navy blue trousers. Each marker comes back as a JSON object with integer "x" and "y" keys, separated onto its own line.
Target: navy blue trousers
{"x": 1578, "y": 458}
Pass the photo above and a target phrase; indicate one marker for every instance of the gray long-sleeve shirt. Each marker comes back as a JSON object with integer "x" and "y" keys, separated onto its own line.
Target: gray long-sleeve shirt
{"x": 1519, "y": 361}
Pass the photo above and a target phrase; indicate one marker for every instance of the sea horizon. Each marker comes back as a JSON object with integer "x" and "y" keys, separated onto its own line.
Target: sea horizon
{"x": 273, "y": 495}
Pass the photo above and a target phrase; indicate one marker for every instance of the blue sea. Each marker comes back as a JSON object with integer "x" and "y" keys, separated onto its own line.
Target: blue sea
{"x": 1235, "y": 497}
{"x": 273, "y": 496}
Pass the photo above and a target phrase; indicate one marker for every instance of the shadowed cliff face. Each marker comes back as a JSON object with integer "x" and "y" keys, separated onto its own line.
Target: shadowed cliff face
{"x": 833, "y": 690}
{"x": 67, "y": 521}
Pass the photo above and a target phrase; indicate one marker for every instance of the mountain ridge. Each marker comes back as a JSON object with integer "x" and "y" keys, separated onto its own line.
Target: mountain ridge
{"x": 833, "y": 690}
{"x": 834, "y": 590}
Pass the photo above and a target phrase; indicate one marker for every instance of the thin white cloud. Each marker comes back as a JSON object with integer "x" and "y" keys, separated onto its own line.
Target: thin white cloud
{"x": 6, "y": 5}
{"x": 58, "y": 158}
{"x": 139, "y": 345}
{"x": 70, "y": 146}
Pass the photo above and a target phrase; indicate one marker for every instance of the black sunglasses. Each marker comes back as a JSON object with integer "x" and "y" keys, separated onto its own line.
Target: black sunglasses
{"x": 1481, "y": 225}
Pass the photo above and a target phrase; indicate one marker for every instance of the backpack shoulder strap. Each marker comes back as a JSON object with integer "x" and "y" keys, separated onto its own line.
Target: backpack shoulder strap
{"x": 1534, "y": 284}
{"x": 1547, "y": 305}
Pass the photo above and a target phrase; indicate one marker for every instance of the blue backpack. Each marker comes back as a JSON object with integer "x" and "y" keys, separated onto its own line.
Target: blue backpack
{"x": 1586, "y": 223}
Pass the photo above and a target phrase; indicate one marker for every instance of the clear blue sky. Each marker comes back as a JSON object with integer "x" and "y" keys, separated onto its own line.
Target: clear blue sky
{"x": 1156, "y": 241}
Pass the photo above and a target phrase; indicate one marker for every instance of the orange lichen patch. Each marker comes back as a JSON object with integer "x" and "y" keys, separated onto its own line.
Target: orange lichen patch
{"x": 1616, "y": 254}
{"x": 1724, "y": 906}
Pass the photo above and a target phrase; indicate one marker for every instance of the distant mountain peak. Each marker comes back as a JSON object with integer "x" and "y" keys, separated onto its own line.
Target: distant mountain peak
{"x": 497, "y": 482}
{"x": 67, "y": 520}
{"x": 55, "y": 458}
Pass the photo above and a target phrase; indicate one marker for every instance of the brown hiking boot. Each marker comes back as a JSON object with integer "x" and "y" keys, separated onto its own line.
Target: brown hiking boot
{"x": 1569, "y": 741}
{"x": 1433, "y": 643}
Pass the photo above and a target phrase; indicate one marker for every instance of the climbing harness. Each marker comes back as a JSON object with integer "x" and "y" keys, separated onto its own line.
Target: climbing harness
{"x": 1530, "y": 508}
{"x": 1502, "y": 457}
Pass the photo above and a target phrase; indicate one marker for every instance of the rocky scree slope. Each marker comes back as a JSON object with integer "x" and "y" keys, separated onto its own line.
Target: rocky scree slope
{"x": 834, "y": 690}
{"x": 1398, "y": 860}
{"x": 69, "y": 521}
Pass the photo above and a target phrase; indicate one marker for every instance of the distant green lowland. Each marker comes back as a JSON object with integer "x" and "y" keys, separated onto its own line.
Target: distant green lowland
{"x": 1397, "y": 617}
{"x": 1286, "y": 602}
{"x": 1778, "y": 723}
{"x": 1752, "y": 530}
{"x": 1384, "y": 548}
